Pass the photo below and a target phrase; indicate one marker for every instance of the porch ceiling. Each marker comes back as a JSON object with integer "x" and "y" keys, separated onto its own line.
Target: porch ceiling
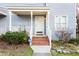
{"x": 27, "y": 10}
{"x": 29, "y": 13}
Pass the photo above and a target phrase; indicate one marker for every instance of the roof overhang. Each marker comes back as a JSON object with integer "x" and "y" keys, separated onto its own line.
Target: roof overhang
{"x": 27, "y": 10}
{"x": 3, "y": 12}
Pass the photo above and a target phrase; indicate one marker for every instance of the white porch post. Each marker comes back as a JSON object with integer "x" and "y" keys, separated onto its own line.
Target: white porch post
{"x": 10, "y": 16}
{"x": 31, "y": 31}
{"x": 49, "y": 30}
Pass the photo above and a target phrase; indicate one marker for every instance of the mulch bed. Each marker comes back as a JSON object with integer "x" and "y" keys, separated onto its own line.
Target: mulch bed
{"x": 5, "y": 46}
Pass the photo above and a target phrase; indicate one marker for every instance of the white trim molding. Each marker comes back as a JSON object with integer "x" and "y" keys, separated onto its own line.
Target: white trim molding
{"x": 10, "y": 20}
{"x": 49, "y": 29}
{"x": 28, "y": 8}
{"x": 31, "y": 30}
{"x": 60, "y": 16}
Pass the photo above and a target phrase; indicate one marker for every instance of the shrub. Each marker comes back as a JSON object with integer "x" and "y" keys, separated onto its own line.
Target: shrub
{"x": 15, "y": 37}
{"x": 74, "y": 41}
{"x": 64, "y": 36}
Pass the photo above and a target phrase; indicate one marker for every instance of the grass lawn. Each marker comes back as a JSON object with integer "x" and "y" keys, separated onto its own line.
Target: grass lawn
{"x": 15, "y": 50}
{"x": 29, "y": 50}
{"x": 62, "y": 54}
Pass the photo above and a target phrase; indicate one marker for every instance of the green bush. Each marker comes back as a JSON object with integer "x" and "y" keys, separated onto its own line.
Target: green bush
{"x": 74, "y": 41}
{"x": 15, "y": 37}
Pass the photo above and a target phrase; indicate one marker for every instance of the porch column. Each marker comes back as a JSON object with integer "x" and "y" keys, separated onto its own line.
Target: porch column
{"x": 49, "y": 29}
{"x": 10, "y": 14}
{"x": 31, "y": 31}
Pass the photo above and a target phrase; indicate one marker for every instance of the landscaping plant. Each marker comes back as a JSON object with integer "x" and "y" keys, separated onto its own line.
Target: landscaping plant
{"x": 63, "y": 36}
{"x": 15, "y": 37}
{"x": 74, "y": 41}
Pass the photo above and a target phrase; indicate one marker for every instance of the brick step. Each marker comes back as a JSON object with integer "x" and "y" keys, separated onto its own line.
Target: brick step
{"x": 40, "y": 38}
{"x": 40, "y": 41}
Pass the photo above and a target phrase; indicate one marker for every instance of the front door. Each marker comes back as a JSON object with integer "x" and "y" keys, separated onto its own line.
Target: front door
{"x": 39, "y": 25}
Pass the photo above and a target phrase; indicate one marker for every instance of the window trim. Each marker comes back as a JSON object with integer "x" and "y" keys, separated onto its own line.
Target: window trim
{"x": 60, "y": 21}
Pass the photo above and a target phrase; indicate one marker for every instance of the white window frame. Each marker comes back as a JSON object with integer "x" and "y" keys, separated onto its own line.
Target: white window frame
{"x": 60, "y": 21}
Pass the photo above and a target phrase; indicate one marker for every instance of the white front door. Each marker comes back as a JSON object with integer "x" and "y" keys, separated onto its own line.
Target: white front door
{"x": 39, "y": 24}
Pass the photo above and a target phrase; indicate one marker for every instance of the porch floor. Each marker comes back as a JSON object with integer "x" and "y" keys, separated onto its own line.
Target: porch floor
{"x": 40, "y": 40}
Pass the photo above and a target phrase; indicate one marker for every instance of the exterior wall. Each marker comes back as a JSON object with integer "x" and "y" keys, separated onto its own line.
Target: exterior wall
{"x": 22, "y": 4}
{"x": 63, "y": 9}
{"x": 21, "y": 22}
{"x": 54, "y": 8}
{"x": 4, "y": 23}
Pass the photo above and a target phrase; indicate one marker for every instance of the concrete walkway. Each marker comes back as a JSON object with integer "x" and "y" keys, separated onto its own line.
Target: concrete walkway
{"x": 41, "y": 54}
{"x": 41, "y": 50}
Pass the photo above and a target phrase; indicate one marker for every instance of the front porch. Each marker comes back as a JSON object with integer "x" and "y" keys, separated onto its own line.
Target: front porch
{"x": 39, "y": 30}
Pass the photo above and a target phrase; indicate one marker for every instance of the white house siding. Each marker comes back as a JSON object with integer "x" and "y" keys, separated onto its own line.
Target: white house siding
{"x": 63, "y": 9}
{"x": 4, "y": 20}
{"x": 23, "y": 4}
{"x": 3, "y": 24}
{"x": 21, "y": 22}
{"x": 54, "y": 9}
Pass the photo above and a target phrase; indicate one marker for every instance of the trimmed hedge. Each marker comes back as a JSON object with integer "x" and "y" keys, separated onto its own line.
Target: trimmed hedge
{"x": 15, "y": 37}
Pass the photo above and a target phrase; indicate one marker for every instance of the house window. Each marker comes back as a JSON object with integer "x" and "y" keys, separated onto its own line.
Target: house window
{"x": 60, "y": 23}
